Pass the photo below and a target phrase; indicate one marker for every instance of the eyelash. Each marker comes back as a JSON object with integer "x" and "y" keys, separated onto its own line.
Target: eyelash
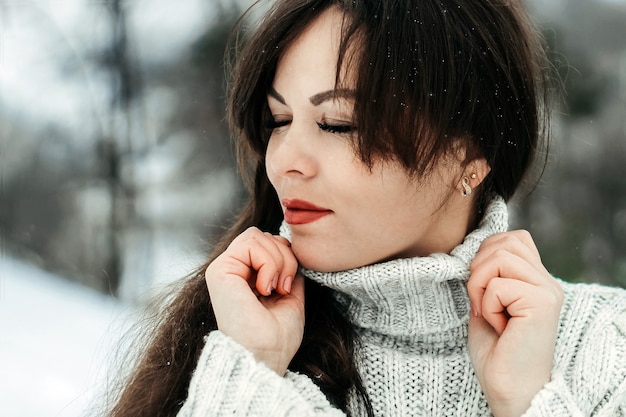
{"x": 273, "y": 124}
{"x": 337, "y": 129}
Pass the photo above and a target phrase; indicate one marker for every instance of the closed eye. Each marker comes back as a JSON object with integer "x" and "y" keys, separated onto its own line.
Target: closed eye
{"x": 335, "y": 128}
{"x": 276, "y": 124}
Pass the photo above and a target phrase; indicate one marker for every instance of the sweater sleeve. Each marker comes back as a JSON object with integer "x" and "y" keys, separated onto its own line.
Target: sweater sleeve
{"x": 589, "y": 376}
{"x": 229, "y": 381}
{"x": 555, "y": 399}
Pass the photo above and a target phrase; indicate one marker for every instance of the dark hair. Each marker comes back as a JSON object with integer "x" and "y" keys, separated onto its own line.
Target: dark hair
{"x": 433, "y": 74}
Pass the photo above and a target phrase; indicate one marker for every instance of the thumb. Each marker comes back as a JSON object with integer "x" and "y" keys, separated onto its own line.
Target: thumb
{"x": 481, "y": 338}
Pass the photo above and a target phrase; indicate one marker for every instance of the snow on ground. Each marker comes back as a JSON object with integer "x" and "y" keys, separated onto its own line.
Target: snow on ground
{"x": 55, "y": 337}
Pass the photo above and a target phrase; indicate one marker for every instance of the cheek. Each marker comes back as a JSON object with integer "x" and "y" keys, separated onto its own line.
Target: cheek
{"x": 270, "y": 171}
{"x": 390, "y": 193}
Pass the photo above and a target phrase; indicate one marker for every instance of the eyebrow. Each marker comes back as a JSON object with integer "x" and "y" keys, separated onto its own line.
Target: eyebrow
{"x": 319, "y": 98}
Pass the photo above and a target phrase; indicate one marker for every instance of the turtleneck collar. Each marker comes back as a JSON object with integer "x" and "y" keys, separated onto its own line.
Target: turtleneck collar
{"x": 413, "y": 299}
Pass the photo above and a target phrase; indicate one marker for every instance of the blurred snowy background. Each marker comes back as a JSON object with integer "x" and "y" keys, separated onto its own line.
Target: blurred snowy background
{"x": 116, "y": 171}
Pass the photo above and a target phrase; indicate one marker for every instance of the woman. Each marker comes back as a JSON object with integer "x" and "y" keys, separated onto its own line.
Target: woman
{"x": 371, "y": 273}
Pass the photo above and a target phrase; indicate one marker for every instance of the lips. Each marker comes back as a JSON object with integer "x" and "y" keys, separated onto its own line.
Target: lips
{"x": 303, "y": 212}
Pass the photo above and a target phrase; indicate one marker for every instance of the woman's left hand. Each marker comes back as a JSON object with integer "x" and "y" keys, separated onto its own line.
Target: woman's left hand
{"x": 515, "y": 315}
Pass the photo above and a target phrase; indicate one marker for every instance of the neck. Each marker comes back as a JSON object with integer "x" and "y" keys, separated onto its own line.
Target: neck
{"x": 451, "y": 224}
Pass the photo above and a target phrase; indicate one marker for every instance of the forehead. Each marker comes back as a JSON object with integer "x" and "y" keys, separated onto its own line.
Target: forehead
{"x": 320, "y": 38}
{"x": 314, "y": 53}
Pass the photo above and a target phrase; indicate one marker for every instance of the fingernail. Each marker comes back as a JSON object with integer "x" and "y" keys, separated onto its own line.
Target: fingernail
{"x": 272, "y": 284}
{"x": 475, "y": 312}
{"x": 287, "y": 284}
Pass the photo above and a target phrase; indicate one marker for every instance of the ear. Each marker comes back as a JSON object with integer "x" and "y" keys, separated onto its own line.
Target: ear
{"x": 473, "y": 175}
{"x": 477, "y": 170}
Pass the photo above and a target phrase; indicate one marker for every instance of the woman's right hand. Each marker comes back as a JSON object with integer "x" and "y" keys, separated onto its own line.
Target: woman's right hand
{"x": 257, "y": 298}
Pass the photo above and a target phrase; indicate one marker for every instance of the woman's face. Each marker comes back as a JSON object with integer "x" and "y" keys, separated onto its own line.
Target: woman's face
{"x": 342, "y": 214}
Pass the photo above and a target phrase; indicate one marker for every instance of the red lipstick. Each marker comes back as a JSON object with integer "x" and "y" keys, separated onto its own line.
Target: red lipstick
{"x": 302, "y": 212}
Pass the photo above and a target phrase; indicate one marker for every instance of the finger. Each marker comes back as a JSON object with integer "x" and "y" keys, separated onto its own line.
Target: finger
{"x": 290, "y": 266}
{"x": 498, "y": 295}
{"x": 268, "y": 273}
{"x": 507, "y": 300}
{"x": 518, "y": 242}
{"x": 279, "y": 274}
{"x": 253, "y": 256}
{"x": 286, "y": 301}
{"x": 521, "y": 235}
{"x": 283, "y": 258}
{"x": 282, "y": 240}
{"x": 524, "y": 251}
{"x": 263, "y": 257}
{"x": 501, "y": 264}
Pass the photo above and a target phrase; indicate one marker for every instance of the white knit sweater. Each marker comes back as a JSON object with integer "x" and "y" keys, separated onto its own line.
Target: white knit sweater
{"x": 412, "y": 316}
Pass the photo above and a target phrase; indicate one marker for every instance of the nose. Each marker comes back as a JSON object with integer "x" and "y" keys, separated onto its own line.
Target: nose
{"x": 291, "y": 153}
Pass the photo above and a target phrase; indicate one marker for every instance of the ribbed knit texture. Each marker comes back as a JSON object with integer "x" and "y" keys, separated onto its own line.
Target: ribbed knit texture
{"x": 412, "y": 317}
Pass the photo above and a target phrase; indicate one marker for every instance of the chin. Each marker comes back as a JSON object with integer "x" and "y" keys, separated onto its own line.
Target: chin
{"x": 322, "y": 262}
{"x": 316, "y": 264}
{"x": 318, "y": 261}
